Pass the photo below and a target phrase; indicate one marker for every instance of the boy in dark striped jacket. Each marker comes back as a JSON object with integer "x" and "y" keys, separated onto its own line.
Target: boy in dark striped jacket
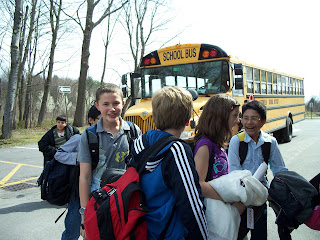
{"x": 171, "y": 183}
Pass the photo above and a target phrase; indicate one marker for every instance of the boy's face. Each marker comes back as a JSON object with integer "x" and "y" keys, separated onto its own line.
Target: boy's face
{"x": 110, "y": 105}
{"x": 61, "y": 125}
{"x": 95, "y": 121}
{"x": 252, "y": 123}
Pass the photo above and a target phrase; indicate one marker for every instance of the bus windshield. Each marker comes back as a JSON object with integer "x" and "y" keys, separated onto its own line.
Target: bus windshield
{"x": 204, "y": 77}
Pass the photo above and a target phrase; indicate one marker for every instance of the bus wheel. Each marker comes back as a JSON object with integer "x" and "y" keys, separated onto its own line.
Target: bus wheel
{"x": 287, "y": 131}
{"x": 278, "y": 135}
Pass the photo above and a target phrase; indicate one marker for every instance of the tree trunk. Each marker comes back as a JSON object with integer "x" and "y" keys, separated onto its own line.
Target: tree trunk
{"x": 27, "y": 102}
{"x": 8, "y": 111}
{"x": 0, "y": 95}
{"x": 54, "y": 30}
{"x": 20, "y": 82}
{"x": 80, "y": 109}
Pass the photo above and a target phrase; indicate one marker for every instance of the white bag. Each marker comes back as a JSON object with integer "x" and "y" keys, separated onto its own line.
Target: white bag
{"x": 223, "y": 220}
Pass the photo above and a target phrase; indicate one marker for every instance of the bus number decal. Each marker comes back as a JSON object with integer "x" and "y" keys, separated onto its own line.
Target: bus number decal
{"x": 270, "y": 101}
{"x": 179, "y": 54}
{"x": 264, "y": 102}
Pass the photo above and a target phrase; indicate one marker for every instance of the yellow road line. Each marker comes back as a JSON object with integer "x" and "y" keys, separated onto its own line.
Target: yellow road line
{"x": 6, "y": 178}
{"x": 21, "y": 181}
{"x": 23, "y": 164}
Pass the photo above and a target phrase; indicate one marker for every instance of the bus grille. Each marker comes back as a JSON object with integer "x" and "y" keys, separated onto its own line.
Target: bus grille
{"x": 144, "y": 125}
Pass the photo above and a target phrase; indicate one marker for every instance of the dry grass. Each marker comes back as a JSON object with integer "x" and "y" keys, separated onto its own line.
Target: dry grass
{"x": 21, "y": 137}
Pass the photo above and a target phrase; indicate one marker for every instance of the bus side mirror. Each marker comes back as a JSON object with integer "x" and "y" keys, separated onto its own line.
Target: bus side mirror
{"x": 238, "y": 69}
{"x": 239, "y": 83}
{"x": 125, "y": 92}
{"x": 193, "y": 93}
{"x": 124, "y": 79}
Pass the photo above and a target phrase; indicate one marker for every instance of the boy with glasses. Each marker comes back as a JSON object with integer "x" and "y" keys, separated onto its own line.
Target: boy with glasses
{"x": 254, "y": 114}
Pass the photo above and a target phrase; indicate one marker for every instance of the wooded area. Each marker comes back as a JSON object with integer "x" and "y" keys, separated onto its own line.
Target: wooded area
{"x": 29, "y": 83}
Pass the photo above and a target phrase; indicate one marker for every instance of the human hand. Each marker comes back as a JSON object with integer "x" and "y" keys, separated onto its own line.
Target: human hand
{"x": 240, "y": 207}
{"x": 83, "y": 233}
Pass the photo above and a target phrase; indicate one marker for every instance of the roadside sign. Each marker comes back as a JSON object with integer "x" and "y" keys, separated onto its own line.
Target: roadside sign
{"x": 64, "y": 89}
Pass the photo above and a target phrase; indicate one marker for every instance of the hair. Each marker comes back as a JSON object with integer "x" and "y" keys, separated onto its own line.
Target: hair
{"x": 93, "y": 112}
{"x": 108, "y": 88}
{"x": 171, "y": 108}
{"x": 214, "y": 120}
{"x": 257, "y": 106}
{"x": 61, "y": 118}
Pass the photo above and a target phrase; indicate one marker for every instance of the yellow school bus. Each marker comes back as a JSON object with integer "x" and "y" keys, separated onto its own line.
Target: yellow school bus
{"x": 209, "y": 70}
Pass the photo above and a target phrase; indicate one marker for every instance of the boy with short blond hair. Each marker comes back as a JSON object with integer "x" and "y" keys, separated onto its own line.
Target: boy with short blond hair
{"x": 113, "y": 143}
{"x": 173, "y": 102}
{"x": 170, "y": 182}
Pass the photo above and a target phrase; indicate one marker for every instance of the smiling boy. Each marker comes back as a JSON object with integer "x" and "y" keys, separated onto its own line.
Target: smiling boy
{"x": 113, "y": 143}
{"x": 254, "y": 116}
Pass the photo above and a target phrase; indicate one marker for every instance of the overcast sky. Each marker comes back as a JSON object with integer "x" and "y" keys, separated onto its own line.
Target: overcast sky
{"x": 275, "y": 34}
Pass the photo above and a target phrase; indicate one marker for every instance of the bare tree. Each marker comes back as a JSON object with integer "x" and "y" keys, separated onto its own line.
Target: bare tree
{"x": 54, "y": 23}
{"x": 87, "y": 32}
{"x": 8, "y": 111}
{"x": 141, "y": 19}
{"x": 31, "y": 65}
{"x": 109, "y": 32}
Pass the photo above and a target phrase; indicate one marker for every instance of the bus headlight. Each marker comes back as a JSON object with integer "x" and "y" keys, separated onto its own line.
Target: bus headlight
{"x": 187, "y": 135}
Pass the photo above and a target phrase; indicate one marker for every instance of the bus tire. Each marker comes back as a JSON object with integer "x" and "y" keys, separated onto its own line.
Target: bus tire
{"x": 278, "y": 135}
{"x": 287, "y": 131}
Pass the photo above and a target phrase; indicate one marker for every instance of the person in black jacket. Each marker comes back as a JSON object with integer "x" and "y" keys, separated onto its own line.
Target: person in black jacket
{"x": 56, "y": 137}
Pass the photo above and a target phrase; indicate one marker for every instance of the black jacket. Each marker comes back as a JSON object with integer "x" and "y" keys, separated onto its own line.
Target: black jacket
{"x": 47, "y": 144}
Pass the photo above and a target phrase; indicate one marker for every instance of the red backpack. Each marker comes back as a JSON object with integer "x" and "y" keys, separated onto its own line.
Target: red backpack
{"x": 117, "y": 210}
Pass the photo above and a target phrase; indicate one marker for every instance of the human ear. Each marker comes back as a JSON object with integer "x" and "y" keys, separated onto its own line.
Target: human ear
{"x": 97, "y": 105}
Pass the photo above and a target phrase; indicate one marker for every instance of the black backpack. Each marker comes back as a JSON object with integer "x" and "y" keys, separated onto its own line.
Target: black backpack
{"x": 243, "y": 149}
{"x": 58, "y": 182}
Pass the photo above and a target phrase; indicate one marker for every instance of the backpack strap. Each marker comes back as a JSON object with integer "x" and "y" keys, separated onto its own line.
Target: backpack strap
{"x": 153, "y": 150}
{"x": 132, "y": 134}
{"x": 266, "y": 151}
{"x": 243, "y": 149}
{"x": 93, "y": 144}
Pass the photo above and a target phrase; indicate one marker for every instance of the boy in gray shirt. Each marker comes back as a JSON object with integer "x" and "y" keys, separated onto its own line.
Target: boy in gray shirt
{"x": 113, "y": 143}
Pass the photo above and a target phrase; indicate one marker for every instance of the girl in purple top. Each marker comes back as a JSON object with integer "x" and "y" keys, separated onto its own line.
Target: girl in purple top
{"x": 214, "y": 130}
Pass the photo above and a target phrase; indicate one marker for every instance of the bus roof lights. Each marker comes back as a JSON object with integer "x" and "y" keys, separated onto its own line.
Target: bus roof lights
{"x": 213, "y": 53}
{"x": 146, "y": 61}
{"x": 153, "y": 60}
{"x": 205, "y": 54}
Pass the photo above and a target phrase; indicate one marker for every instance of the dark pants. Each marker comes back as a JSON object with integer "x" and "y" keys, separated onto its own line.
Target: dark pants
{"x": 260, "y": 227}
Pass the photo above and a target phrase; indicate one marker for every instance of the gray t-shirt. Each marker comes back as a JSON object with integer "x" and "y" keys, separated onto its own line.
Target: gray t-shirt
{"x": 112, "y": 150}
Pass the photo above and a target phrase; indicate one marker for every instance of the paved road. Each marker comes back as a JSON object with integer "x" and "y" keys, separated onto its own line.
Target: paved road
{"x": 24, "y": 216}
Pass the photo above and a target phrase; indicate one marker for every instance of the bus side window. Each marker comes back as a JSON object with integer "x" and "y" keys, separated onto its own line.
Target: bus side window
{"x": 249, "y": 80}
{"x": 269, "y": 77}
{"x": 263, "y": 82}
{"x": 279, "y": 84}
{"x": 274, "y": 83}
{"x": 257, "y": 85}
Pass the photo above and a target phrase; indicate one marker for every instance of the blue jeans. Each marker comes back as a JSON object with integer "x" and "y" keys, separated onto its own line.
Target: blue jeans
{"x": 72, "y": 221}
